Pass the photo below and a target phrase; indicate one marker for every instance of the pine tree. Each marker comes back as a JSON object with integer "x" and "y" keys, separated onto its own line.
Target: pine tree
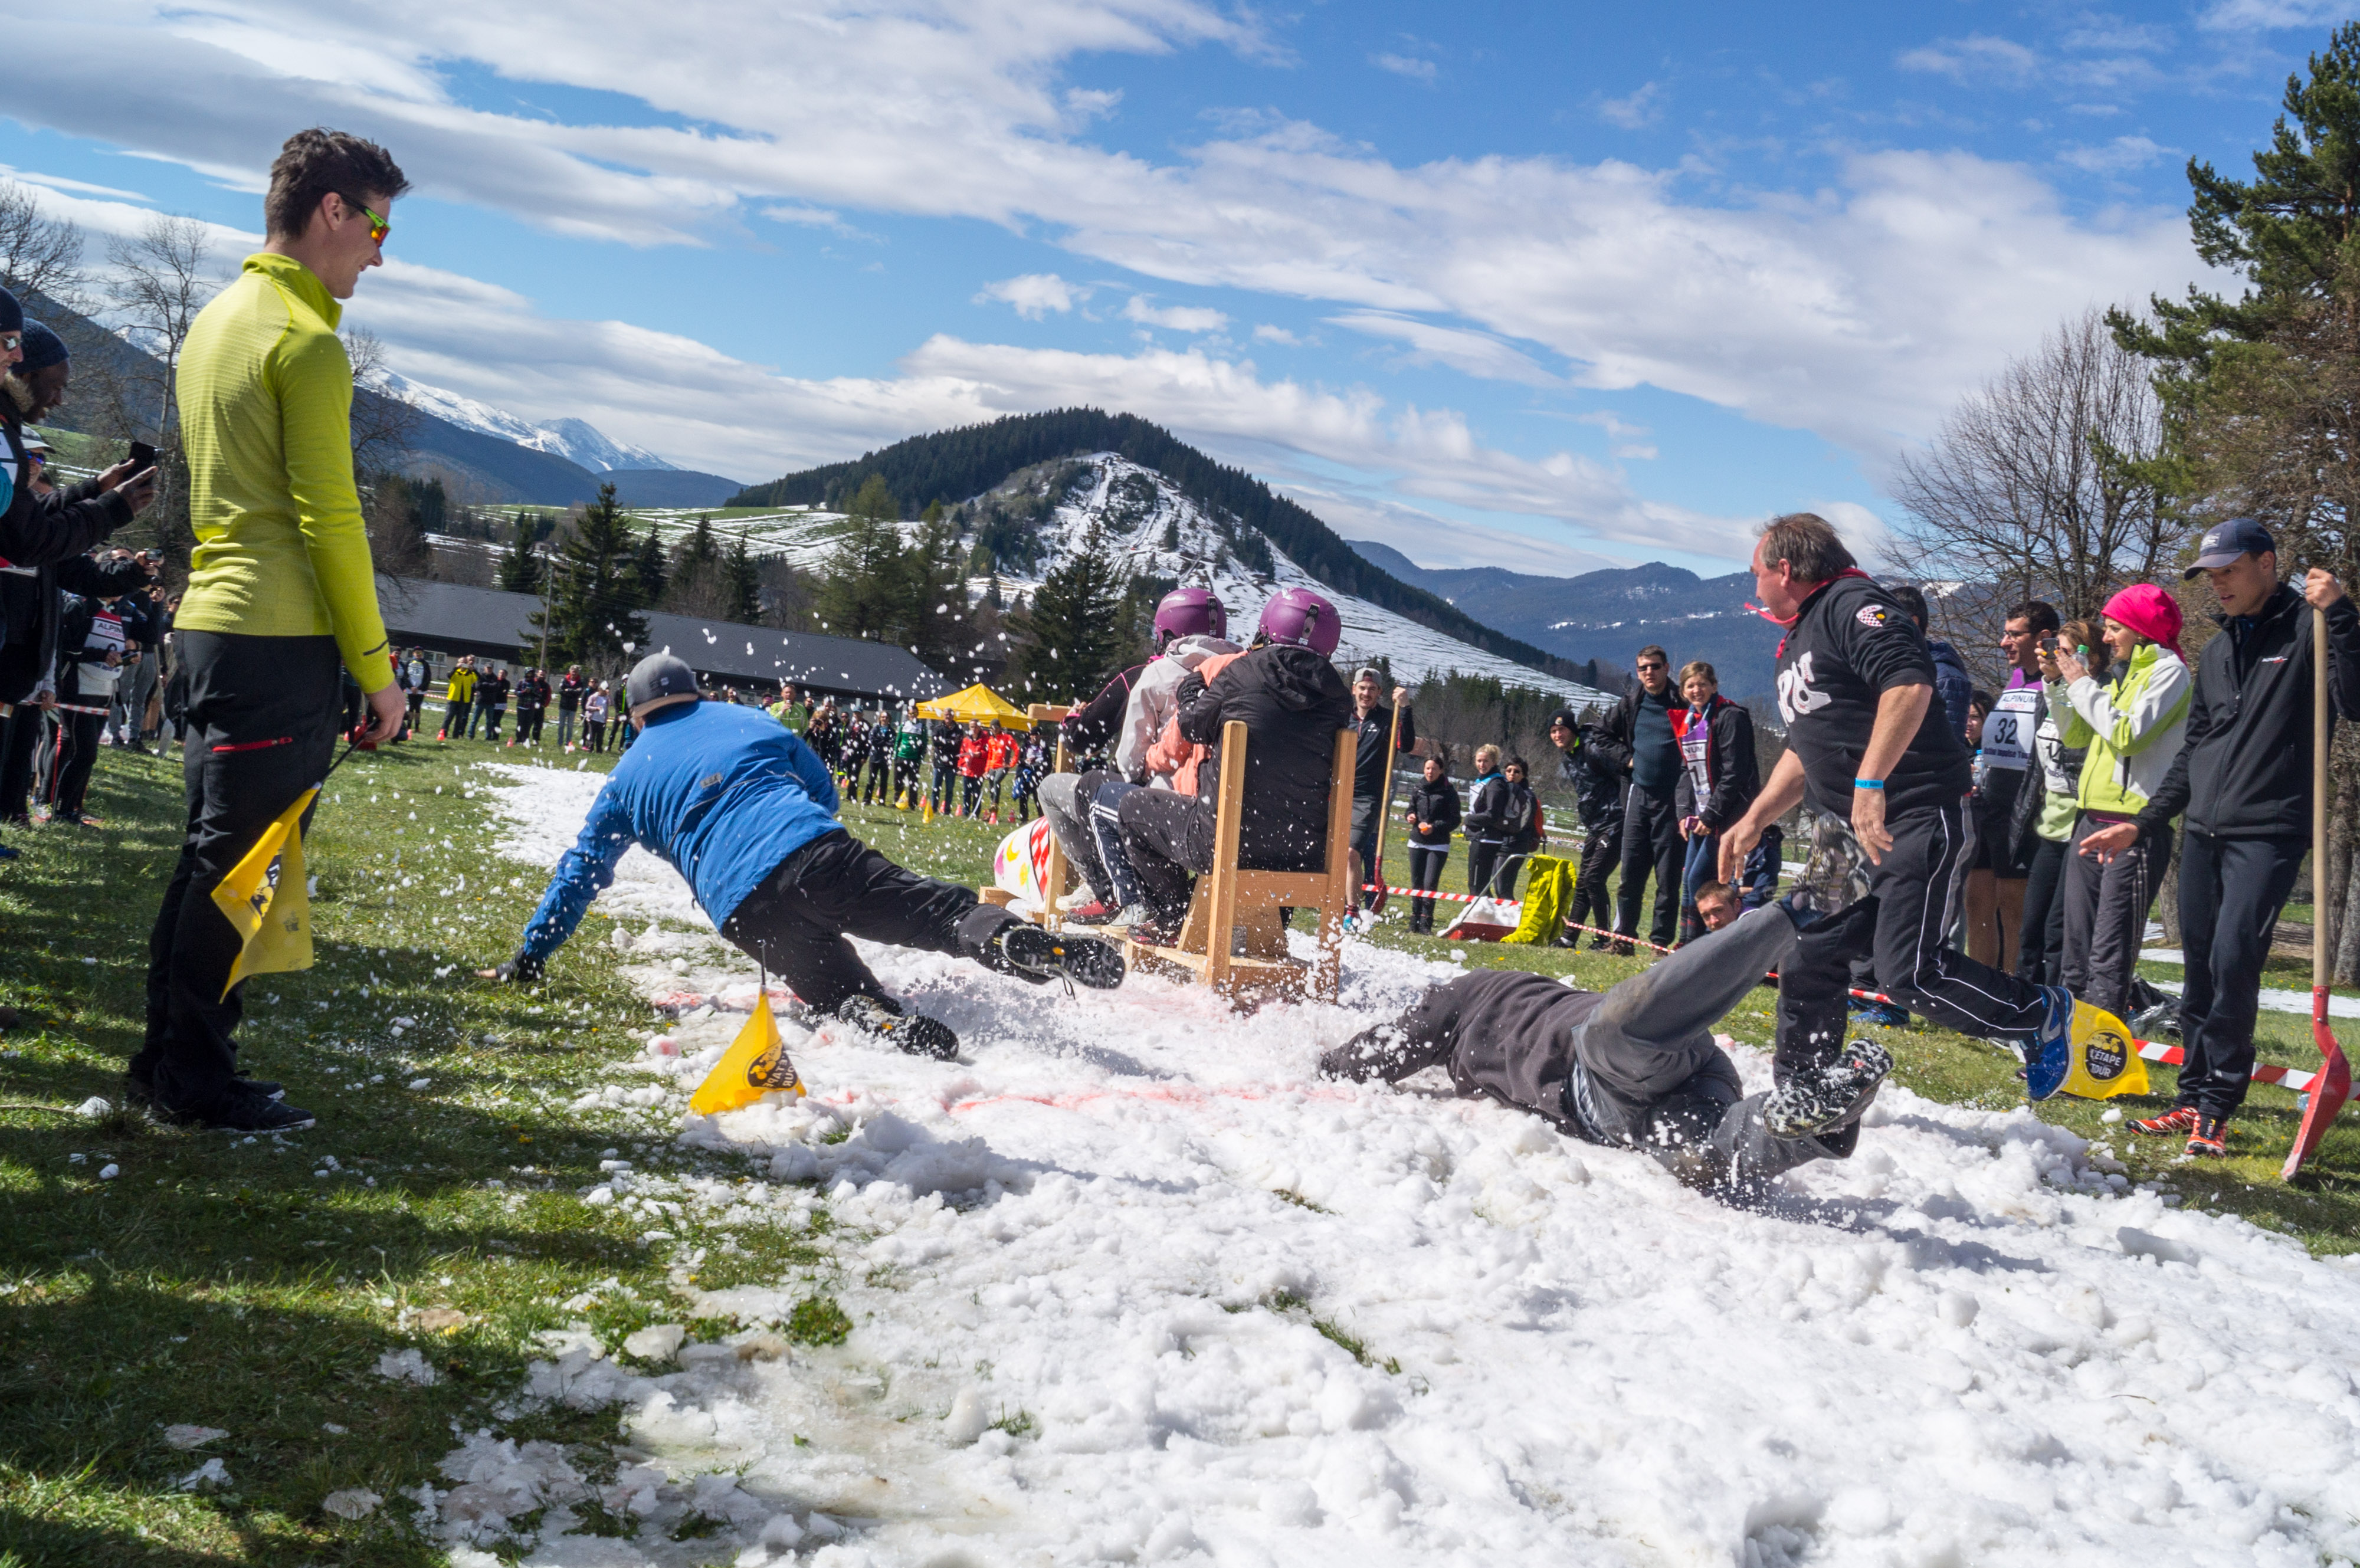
{"x": 648, "y": 574}
{"x": 866, "y": 594}
{"x": 520, "y": 567}
{"x": 1071, "y": 635}
{"x": 745, "y": 585}
{"x": 594, "y": 609}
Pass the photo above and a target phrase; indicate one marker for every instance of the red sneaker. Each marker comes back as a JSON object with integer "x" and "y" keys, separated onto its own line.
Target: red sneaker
{"x": 2211, "y": 1139}
{"x": 1093, "y": 914}
{"x": 2171, "y": 1124}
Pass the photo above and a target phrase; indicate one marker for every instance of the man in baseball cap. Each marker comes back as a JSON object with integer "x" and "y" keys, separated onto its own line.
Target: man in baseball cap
{"x": 745, "y": 812}
{"x": 2242, "y": 782}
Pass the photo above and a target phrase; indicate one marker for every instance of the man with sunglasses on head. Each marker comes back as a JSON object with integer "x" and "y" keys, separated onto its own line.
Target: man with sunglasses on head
{"x": 281, "y": 598}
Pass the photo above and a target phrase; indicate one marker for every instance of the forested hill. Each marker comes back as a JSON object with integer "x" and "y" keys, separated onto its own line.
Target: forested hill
{"x": 953, "y": 465}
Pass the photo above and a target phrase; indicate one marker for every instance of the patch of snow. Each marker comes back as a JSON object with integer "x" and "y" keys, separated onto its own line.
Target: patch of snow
{"x": 574, "y": 439}
{"x": 1129, "y": 1282}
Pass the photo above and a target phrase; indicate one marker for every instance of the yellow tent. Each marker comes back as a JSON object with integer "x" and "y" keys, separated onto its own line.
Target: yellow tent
{"x": 976, "y": 705}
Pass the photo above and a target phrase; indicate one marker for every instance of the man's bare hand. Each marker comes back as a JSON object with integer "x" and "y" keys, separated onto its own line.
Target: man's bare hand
{"x": 387, "y": 708}
{"x": 136, "y": 490}
{"x": 2320, "y": 586}
{"x": 1401, "y": 695}
{"x": 1868, "y": 824}
{"x": 2108, "y": 842}
{"x": 1736, "y": 845}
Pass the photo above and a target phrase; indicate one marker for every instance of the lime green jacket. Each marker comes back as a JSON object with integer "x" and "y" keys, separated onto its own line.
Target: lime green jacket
{"x": 266, "y": 419}
{"x": 2133, "y": 730}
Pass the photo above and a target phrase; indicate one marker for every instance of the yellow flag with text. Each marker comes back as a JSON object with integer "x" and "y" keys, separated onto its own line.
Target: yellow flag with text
{"x": 755, "y": 1064}
{"x": 265, "y": 898}
{"x": 2106, "y": 1061}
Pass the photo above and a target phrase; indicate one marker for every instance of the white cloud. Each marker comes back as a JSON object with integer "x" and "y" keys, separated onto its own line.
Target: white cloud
{"x": 1280, "y": 335}
{"x": 1979, "y": 56}
{"x": 2244, "y": 16}
{"x": 1860, "y": 312}
{"x": 1633, "y": 109}
{"x": 2116, "y": 157}
{"x": 58, "y": 182}
{"x": 1471, "y": 353}
{"x": 1405, "y": 65}
{"x": 1034, "y": 294}
{"x": 1628, "y": 441}
{"x": 1175, "y": 318}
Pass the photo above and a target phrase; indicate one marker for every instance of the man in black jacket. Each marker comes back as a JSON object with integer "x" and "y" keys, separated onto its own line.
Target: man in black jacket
{"x": 1292, "y": 702}
{"x": 1637, "y": 735}
{"x": 571, "y": 689}
{"x": 1372, "y": 758}
{"x": 1597, "y": 782}
{"x": 2243, "y": 778}
{"x": 94, "y": 635}
{"x": 1632, "y": 1068}
{"x": 1887, "y": 791}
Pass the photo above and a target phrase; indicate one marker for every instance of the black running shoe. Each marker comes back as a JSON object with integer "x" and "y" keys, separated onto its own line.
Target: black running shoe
{"x": 1813, "y": 1101}
{"x": 912, "y": 1032}
{"x": 140, "y": 1090}
{"x": 240, "y": 1109}
{"x": 1041, "y": 956}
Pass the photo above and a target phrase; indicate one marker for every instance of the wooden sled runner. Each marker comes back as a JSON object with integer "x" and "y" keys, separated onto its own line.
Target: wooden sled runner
{"x": 1232, "y": 940}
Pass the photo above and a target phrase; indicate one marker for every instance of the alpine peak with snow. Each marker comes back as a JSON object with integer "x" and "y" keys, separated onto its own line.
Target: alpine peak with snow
{"x": 1034, "y": 489}
{"x": 576, "y": 440}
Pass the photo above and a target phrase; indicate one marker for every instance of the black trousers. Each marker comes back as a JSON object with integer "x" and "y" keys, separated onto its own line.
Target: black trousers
{"x": 1425, "y": 864}
{"x": 455, "y": 720}
{"x": 2230, "y": 893}
{"x": 20, "y": 736}
{"x": 2105, "y": 914}
{"x": 796, "y": 922}
{"x": 417, "y": 704}
{"x": 879, "y": 780}
{"x": 1648, "y": 1044}
{"x": 1900, "y": 925}
{"x": 2041, "y": 946}
{"x": 529, "y": 723}
{"x": 973, "y": 793}
{"x": 1651, "y": 842}
{"x": 261, "y": 730}
{"x": 72, "y": 753}
{"x": 595, "y": 731}
{"x": 492, "y": 717}
{"x": 1601, "y": 850}
{"x": 1168, "y": 839}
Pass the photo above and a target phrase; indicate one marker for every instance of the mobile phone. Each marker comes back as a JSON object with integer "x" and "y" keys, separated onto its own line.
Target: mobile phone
{"x": 142, "y": 456}
{"x": 2049, "y": 645}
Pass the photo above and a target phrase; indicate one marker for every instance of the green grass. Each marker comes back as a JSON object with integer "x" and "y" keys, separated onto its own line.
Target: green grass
{"x": 220, "y": 1282}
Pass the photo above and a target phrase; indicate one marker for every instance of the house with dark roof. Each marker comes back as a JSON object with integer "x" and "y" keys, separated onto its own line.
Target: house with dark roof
{"x": 450, "y": 618}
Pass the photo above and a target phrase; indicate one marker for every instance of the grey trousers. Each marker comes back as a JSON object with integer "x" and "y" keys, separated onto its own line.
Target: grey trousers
{"x": 1068, "y": 814}
{"x": 2105, "y": 914}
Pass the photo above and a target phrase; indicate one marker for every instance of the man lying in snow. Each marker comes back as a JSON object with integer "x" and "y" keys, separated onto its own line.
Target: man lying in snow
{"x": 745, "y": 812}
{"x": 1635, "y": 1067}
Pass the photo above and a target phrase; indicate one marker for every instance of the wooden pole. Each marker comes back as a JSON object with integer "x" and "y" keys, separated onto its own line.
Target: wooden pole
{"x": 2332, "y": 1087}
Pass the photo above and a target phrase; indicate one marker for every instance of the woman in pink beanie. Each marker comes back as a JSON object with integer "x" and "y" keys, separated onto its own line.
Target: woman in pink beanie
{"x": 2133, "y": 725}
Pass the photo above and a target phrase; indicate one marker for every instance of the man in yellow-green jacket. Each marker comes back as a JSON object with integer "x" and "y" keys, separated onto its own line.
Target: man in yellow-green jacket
{"x": 281, "y": 593}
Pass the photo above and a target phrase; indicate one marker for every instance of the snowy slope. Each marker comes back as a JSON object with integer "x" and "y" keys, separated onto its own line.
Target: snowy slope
{"x": 1137, "y": 507}
{"x": 1117, "y": 1230}
{"x": 570, "y": 438}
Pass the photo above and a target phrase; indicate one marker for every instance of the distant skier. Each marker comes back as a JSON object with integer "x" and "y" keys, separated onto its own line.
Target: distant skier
{"x": 1634, "y": 1067}
{"x": 744, "y": 811}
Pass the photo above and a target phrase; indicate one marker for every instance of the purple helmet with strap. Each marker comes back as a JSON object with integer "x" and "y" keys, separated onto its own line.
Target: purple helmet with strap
{"x": 1304, "y": 618}
{"x": 1190, "y": 612}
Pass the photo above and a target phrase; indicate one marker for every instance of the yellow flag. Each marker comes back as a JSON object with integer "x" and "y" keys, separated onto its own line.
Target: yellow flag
{"x": 2106, "y": 1062}
{"x": 755, "y": 1064}
{"x": 265, "y": 898}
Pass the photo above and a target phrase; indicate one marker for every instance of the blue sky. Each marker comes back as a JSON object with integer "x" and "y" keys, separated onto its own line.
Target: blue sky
{"x": 1540, "y": 286}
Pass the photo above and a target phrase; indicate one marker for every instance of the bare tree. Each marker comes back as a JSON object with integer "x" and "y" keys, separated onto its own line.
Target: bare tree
{"x": 2041, "y": 485}
{"x": 39, "y": 255}
{"x": 156, "y": 284}
{"x": 381, "y": 423}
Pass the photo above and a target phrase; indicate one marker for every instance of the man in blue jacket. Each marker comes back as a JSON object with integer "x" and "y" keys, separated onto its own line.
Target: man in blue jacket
{"x": 745, "y": 812}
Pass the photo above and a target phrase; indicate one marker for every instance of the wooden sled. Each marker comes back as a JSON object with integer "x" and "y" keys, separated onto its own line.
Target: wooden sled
{"x": 1232, "y": 940}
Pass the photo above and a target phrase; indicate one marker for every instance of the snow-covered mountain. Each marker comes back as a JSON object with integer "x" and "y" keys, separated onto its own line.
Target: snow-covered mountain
{"x": 574, "y": 439}
{"x": 1139, "y": 510}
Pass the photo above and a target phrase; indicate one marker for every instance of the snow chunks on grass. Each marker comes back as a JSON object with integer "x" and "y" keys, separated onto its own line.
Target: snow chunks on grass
{"x": 1131, "y": 1284}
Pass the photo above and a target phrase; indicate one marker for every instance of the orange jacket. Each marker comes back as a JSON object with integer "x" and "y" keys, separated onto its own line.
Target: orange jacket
{"x": 970, "y": 756}
{"x": 1000, "y": 751}
{"x": 1172, "y": 754}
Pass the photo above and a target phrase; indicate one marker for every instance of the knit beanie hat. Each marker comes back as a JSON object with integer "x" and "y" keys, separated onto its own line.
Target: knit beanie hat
{"x": 2150, "y": 611}
{"x": 43, "y": 348}
{"x": 12, "y": 314}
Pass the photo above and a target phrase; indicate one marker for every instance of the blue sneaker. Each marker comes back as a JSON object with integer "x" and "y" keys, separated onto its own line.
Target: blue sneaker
{"x": 2049, "y": 1055}
{"x": 1884, "y": 1014}
{"x": 8, "y": 853}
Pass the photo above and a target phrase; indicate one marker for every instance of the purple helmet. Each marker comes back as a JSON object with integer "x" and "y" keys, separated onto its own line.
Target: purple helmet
{"x": 1304, "y": 618}
{"x": 1189, "y": 612}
